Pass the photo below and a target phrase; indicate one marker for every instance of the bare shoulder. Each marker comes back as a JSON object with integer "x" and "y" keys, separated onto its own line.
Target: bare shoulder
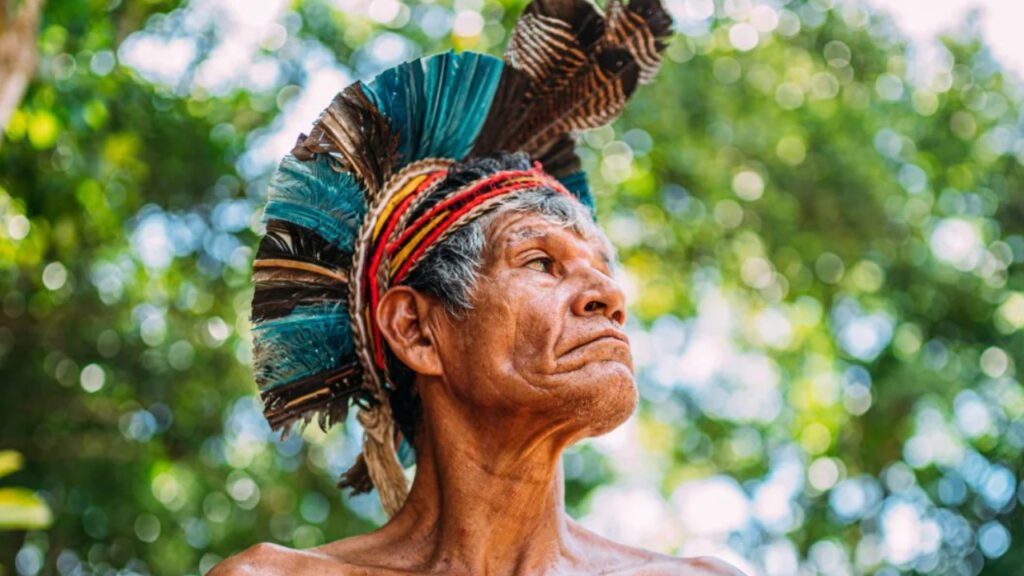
{"x": 335, "y": 558}
{"x": 266, "y": 559}
{"x": 700, "y": 566}
{"x": 668, "y": 566}
{"x": 627, "y": 560}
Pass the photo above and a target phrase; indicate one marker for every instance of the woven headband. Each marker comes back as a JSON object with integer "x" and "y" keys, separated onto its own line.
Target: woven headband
{"x": 355, "y": 207}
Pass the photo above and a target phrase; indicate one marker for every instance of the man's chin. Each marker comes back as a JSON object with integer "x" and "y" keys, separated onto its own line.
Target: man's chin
{"x": 603, "y": 396}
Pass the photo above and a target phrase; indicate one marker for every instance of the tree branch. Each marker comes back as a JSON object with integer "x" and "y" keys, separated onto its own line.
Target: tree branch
{"x": 18, "y": 53}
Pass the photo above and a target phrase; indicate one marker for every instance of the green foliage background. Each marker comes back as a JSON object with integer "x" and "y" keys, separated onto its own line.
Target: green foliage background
{"x": 847, "y": 227}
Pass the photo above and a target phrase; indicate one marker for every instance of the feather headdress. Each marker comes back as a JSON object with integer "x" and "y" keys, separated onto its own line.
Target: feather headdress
{"x": 348, "y": 212}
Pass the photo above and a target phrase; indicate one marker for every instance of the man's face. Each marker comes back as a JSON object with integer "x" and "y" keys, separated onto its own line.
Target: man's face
{"x": 545, "y": 333}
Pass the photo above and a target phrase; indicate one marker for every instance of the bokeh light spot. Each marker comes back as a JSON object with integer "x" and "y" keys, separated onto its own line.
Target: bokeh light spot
{"x": 54, "y": 276}
{"x": 92, "y": 378}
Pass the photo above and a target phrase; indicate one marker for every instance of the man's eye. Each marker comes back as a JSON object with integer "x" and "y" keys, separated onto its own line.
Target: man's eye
{"x": 542, "y": 264}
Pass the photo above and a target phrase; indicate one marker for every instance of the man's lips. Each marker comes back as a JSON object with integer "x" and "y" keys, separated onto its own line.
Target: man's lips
{"x": 602, "y": 336}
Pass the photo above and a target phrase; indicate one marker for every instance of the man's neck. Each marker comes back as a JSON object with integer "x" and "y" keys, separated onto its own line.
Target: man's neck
{"x": 482, "y": 506}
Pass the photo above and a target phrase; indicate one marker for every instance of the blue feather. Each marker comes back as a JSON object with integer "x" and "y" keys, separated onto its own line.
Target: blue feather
{"x": 437, "y": 105}
{"x": 314, "y": 196}
{"x": 406, "y": 453}
{"x": 579, "y": 186}
{"x": 308, "y": 341}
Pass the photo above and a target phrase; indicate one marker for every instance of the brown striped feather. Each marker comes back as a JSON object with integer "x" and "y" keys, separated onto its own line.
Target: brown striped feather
{"x": 570, "y": 69}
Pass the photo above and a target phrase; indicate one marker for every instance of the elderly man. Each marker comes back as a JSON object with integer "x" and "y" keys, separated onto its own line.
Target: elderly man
{"x": 431, "y": 258}
{"x": 512, "y": 335}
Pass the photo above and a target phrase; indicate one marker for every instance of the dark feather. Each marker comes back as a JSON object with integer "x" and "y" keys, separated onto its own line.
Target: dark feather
{"x": 560, "y": 158}
{"x": 357, "y": 477}
{"x": 509, "y": 97}
{"x": 271, "y": 301}
{"x": 326, "y": 394}
{"x": 286, "y": 240}
{"x": 356, "y": 135}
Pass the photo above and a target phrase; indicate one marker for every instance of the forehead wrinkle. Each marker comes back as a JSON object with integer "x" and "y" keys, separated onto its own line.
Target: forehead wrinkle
{"x": 525, "y": 233}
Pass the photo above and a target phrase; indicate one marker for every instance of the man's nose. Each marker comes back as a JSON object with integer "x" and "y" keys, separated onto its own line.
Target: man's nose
{"x": 599, "y": 294}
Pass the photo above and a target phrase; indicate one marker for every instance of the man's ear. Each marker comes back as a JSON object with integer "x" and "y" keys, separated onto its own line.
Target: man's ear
{"x": 402, "y": 319}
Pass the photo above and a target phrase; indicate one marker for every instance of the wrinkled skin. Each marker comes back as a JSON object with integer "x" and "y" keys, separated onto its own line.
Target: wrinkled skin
{"x": 540, "y": 362}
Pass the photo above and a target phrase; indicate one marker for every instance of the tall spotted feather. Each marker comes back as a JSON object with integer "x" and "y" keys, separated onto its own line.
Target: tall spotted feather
{"x": 551, "y": 40}
{"x": 580, "y": 68}
{"x": 642, "y": 29}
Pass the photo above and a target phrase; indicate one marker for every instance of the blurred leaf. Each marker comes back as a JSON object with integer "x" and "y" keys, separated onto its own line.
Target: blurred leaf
{"x": 20, "y": 509}
{"x": 10, "y": 462}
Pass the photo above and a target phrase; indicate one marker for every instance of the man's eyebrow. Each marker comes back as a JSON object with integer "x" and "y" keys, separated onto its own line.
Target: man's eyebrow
{"x": 528, "y": 233}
